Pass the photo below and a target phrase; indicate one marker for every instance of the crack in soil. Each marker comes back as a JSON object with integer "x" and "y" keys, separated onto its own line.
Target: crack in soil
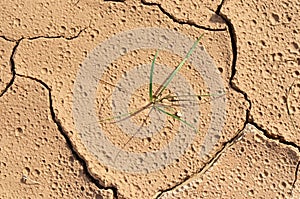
{"x": 209, "y": 164}
{"x": 296, "y": 177}
{"x": 45, "y": 37}
{"x": 180, "y": 21}
{"x": 7, "y": 39}
{"x": 12, "y": 62}
{"x": 54, "y": 118}
{"x": 226, "y": 145}
{"x": 117, "y": 1}
{"x": 249, "y": 118}
{"x": 219, "y": 7}
{"x": 278, "y": 138}
{"x": 12, "y": 68}
{"x": 68, "y": 141}
{"x": 240, "y": 134}
{"x": 59, "y": 36}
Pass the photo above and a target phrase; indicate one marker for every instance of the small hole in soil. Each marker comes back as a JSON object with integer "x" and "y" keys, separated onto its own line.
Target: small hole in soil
{"x": 220, "y": 69}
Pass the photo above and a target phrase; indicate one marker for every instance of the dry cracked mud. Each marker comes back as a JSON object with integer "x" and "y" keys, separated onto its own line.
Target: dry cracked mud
{"x": 69, "y": 68}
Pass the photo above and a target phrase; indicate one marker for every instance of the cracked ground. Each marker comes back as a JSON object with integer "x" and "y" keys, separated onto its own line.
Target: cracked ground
{"x": 255, "y": 47}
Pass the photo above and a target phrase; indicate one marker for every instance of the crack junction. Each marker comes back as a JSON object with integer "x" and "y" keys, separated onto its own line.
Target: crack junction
{"x": 54, "y": 118}
{"x": 12, "y": 68}
{"x": 68, "y": 141}
{"x": 45, "y": 37}
{"x": 180, "y": 21}
{"x": 249, "y": 118}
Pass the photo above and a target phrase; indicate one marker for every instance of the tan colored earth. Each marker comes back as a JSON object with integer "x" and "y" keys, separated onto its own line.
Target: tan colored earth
{"x": 74, "y": 75}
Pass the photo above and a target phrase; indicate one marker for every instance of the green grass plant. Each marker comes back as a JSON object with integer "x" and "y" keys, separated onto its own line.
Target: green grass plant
{"x": 158, "y": 97}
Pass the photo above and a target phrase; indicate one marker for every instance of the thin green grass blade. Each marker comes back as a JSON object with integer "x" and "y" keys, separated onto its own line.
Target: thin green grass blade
{"x": 151, "y": 77}
{"x": 177, "y": 118}
{"x": 172, "y": 75}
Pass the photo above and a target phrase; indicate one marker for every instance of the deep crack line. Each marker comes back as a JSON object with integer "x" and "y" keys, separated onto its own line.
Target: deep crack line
{"x": 209, "y": 164}
{"x": 68, "y": 141}
{"x": 232, "y": 34}
{"x": 12, "y": 68}
{"x": 213, "y": 160}
{"x": 182, "y": 22}
{"x": 7, "y": 39}
{"x": 278, "y": 138}
{"x": 54, "y": 118}
{"x": 220, "y": 7}
{"x": 296, "y": 177}
{"x": 59, "y": 36}
{"x": 249, "y": 118}
{"x": 46, "y": 37}
{"x": 116, "y": 1}
{"x": 240, "y": 134}
{"x": 12, "y": 62}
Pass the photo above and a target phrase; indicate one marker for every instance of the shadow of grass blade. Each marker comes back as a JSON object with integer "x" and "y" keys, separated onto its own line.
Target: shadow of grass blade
{"x": 126, "y": 116}
{"x": 177, "y": 118}
{"x": 115, "y": 117}
{"x": 151, "y": 77}
{"x": 120, "y": 89}
{"x": 288, "y": 92}
{"x": 135, "y": 133}
{"x": 175, "y": 71}
{"x": 177, "y": 98}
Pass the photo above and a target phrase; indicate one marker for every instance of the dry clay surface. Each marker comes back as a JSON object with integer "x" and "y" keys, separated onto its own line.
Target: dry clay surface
{"x": 253, "y": 47}
{"x": 36, "y": 161}
{"x": 268, "y": 42}
{"x": 253, "y": 167}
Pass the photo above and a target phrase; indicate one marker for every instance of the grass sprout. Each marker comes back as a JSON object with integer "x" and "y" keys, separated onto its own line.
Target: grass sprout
{"x": 159, "y": 100}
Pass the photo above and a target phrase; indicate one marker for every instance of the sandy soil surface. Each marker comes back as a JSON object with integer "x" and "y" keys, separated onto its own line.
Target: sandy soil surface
{"x": 80, "y": 120}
